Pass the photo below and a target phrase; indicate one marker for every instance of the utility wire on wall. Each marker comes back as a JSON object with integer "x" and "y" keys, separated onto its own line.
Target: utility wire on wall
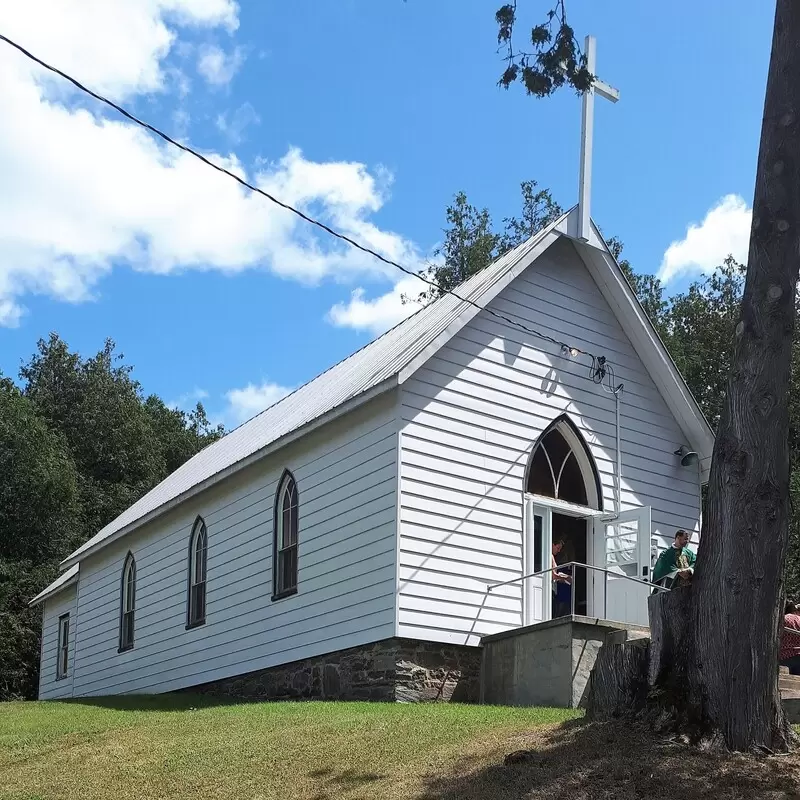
{"x": 600, "y": 369}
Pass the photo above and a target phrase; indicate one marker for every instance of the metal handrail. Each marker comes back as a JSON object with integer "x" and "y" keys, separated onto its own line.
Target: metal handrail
{"x": 604, "y": 570}
{"x": 491, "y": 586}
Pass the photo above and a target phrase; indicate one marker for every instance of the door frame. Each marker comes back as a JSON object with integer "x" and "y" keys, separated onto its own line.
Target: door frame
{"x": 536, "y": 505}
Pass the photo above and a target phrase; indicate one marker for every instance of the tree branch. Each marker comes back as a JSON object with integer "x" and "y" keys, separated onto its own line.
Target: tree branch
{"x": 556, "y": 59}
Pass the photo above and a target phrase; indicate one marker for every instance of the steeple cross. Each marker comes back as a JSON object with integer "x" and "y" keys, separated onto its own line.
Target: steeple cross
{"x": 587, "y": 134}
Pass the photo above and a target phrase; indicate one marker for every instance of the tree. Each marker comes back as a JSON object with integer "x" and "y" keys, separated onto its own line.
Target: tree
{"x": 538, "y": 210}
{"x": 556, "y": 59}
{"x": 721, "y": 681}
{"x": 648, "y": 288}
{"x": 179, "y": 432}
{"x": 122, "y": 445}
{"x": 701, "y": 325}
{"x": 38, "y": 508}
{"x": 78, "y": 444}
{"x": 469, "y": 246}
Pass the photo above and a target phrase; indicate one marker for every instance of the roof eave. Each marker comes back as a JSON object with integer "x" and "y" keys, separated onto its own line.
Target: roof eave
{"x": 52, "y": 592}
{"x": 650, "y": 347}
{"x": 330, "y": 416}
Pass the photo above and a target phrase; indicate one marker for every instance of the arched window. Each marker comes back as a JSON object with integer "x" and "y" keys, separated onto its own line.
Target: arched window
{"x": 561, "y": 467}
{"x": 285, "y": 545}
{"x": 198, "y": 549}
{"x": 128, "y": 606}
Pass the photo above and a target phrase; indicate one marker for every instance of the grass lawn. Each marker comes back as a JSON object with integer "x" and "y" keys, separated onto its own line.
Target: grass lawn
{"x": 190, "y": 747}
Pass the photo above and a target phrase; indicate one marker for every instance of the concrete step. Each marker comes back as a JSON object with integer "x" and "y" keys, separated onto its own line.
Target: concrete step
{"x": 789, "y": 686}
{"x": 640, "y": 637}
{"x": 791, "y": 706}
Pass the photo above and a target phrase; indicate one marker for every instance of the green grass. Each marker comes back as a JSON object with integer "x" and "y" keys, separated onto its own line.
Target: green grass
{"x": 191, "y": 747}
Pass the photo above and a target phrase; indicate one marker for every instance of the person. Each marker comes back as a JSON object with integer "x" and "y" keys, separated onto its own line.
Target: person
{"x": 676, "y": 564}
{"x": 790, "y": 642}
{"x": 561, "y": 584}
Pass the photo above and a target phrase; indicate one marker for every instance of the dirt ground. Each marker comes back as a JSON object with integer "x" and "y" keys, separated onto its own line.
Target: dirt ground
{"x": 580, "y": 761}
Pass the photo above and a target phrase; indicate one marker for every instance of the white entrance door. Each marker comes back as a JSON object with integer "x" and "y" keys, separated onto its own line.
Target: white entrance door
{"x": 622, "y": 547}
{"x": 537, "y": 595}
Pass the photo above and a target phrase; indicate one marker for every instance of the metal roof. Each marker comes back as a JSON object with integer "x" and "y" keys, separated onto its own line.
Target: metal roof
{"x": 366, "y": 369}
{"x": 65, "y": 579}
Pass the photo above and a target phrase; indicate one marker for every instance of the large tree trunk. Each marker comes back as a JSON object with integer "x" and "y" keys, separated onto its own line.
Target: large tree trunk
{"x": 714, "y": 645}
{"x": 737, "y": 587}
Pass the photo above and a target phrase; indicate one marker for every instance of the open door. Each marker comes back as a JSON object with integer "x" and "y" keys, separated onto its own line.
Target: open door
{"x": 537, "y": 594}
{"x": 622, "y": 547}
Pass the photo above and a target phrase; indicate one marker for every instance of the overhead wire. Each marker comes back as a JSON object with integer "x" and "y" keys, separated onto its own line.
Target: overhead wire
{"x": 600, "y": 369}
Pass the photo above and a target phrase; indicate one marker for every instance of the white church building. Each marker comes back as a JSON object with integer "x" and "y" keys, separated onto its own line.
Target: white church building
{"x": 359, "y": 537}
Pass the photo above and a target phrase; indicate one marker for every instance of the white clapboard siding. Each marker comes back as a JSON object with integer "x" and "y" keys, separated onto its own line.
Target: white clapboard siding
{"x": 346, "y": 476}
{"x": 50, "y": 687}
{"x": 470, "y": 417}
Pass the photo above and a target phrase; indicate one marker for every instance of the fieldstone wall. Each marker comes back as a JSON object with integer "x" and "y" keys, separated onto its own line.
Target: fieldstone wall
{"x": 393, "y": 670}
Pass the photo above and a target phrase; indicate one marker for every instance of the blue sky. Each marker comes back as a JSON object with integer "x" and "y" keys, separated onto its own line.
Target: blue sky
{"x": 368, "y": 114}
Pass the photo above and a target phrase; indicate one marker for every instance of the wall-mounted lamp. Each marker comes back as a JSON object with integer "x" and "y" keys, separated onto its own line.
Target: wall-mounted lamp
{"x": 569, "y": 351}
{"x": 688, "y": 457}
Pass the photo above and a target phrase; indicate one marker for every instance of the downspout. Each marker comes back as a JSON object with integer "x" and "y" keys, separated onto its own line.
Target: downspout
{"x": 700, "y": 497}
{"x": 618, "y": 499}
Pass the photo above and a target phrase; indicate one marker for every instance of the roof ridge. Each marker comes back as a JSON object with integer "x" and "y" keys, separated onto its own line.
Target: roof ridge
{"x": 402, "y": 322}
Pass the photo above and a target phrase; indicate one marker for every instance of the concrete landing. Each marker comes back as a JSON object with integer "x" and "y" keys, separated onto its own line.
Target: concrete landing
{"x": 789, "y": 686}
{"x": 547, "y": 664}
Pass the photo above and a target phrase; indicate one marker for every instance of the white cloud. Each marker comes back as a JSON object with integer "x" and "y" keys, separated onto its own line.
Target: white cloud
{"x": 115, "y": 46}
{"x": 84, "y": 193}
{"x": 233, "y": 125}
{"x": 724, "y": 231}
{"x": 181, "y": 119}
{"x": 188, "y": 400}
{"x": 217, "y": 66}
{"x": 245, "y": 403}
{"x": 380, "y": 313}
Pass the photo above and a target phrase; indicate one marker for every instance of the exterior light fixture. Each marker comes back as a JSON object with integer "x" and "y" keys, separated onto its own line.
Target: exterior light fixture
{"x": 688, "y": 457}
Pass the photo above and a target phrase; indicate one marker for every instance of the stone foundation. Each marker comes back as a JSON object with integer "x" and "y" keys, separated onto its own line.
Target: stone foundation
{"x": 393, "y": 670}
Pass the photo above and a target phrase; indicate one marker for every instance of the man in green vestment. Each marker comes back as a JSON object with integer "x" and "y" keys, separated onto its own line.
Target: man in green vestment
{"x": 676, "y": 564}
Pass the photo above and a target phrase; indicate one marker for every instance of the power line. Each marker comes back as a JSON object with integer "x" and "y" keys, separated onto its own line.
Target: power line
{"x": 599, "y": 368}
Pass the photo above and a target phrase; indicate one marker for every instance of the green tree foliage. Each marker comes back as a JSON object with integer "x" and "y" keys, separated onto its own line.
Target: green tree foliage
{"x": 555, "y": 59}
{"x": 538, "y": 210}
{"x": 699, "y": 334}
{"x": 471, "y": 243}
{"x": 79, "y": 443}
{"x": 38, "y": 509}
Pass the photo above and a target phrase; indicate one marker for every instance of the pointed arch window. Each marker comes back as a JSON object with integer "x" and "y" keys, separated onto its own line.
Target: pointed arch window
{"x": 128, "y": 604}
{"x": 198, "y": 561}
{"x": 561, "y": 467}
{"x": 285, "y": 544}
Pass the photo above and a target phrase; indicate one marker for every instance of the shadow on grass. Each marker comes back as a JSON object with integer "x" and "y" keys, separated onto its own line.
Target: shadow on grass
{"x": 157, "y": 702}
{"x": 335, "y": 782}
{"x": 583, "y": 761}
